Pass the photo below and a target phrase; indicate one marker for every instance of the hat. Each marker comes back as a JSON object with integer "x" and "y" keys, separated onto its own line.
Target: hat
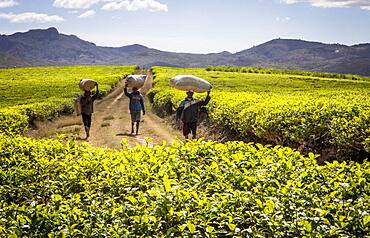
{"x": 190, "y": 91}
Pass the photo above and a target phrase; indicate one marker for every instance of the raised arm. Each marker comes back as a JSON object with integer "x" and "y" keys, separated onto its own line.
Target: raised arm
{"x": 95, "y": 96}
{"x": 206, "y": 101}
{"x": 126, "y": 92}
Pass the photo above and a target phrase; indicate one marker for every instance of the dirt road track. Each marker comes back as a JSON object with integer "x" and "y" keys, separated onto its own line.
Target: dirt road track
{"x": 111, "y": 123}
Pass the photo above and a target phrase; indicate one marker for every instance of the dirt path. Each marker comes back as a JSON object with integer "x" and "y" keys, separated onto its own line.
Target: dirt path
{"x": 111, "y": 122}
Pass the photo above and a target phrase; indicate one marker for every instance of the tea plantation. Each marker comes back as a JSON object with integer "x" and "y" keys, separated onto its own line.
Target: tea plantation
{"x": 65, "y": 188}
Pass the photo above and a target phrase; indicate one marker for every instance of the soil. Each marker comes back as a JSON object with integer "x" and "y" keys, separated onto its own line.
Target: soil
{"x": 111, "y": 123}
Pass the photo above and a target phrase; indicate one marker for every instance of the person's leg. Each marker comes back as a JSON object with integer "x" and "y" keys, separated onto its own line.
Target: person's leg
{"x": 185, "y": 130}
{"x": 132, "y": 121}
{"x": 87, "y": 131}
{"x": 86, "y": 123}
{"x": 193, "y": 128}
{"x": 137, "y": 127}
{"x": 132, "y": 127}
{"x": 89, "y": 118}
{"x": 83, "y": 119}
{"x": 136, "y": 117}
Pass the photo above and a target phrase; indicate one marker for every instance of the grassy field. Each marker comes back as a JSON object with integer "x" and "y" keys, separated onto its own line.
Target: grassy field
{"x": 27, "y": 94}
{"x": 286, "y": 72}
{"x": 21, "y": 86}
{"x": 324, "y": 115}
{"x": 65, "y": 188}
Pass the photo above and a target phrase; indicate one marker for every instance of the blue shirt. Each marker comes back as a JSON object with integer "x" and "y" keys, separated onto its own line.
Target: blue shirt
{"x": 136, "y": 100}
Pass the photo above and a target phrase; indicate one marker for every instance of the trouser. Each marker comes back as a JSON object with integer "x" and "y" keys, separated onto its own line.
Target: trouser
{"x": 86, "y": 118}
{"x": 135, "y": 116}
{"x": 189, "y": 127}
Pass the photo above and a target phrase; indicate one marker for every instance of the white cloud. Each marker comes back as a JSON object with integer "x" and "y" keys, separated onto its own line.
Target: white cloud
{"x": 7, "y": 3}
{"x": 88, "y": 14}
{"x": 283, "y": 19}
{"x": 30, "y": 17}
{"x": 113, "y": 5}
{"x": 135, "y": 5}
{"x": 363, "y": 4}
{"x": 75, "y": 4}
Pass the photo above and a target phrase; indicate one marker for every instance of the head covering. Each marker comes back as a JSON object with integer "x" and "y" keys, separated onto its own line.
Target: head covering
{"x": 190, "y": 91}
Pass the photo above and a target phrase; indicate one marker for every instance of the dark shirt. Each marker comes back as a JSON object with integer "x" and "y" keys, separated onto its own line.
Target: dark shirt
{"x": 136, "y": 100}
{"x": 189, "y": 108}
{"x": 87, "y": 103}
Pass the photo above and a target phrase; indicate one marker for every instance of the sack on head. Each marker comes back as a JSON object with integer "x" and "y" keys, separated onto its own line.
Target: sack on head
{"x": 190, "y": 82}
{"x": 135, "y": 81}
{"x": 87, "y": 84}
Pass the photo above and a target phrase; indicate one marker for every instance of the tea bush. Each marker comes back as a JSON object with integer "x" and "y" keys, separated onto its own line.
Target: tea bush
{"x": 310, "y": 113}
{"x": 50, "y": 188}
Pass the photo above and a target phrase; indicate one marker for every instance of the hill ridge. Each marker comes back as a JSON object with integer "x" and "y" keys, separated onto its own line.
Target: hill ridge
{"x": 44, "y": 47}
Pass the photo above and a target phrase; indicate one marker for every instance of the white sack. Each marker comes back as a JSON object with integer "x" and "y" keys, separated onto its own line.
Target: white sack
{"x": 190, "y": 82}
{"x": 87, "y": 84}
{"x": 135, "y": 81}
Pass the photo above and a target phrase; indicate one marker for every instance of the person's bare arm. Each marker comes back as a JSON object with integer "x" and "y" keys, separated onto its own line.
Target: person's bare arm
{"x": 206, "y": 101}
{"x": 95, "y": 96}
{"x": 125, "y": 91}
{"x": 142, "y": 104}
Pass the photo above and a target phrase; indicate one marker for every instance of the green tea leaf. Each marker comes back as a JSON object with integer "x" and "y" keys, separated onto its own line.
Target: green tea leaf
{"x": 191, "y": 227}
{"x": 231, "y": 226}
{"x": 270, "y": 206}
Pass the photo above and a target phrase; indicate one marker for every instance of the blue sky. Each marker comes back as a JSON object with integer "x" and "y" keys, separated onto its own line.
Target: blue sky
{"x": 194, "y": 26}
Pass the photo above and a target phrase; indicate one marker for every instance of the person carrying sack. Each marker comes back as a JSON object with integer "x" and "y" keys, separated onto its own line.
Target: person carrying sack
{"x": 188, "y": 113}
{"x": 86, "y": 103}
{"x": 136, "y": 106}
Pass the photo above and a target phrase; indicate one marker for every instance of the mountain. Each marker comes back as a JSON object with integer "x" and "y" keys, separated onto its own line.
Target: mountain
{"x": 311, "y": 56}
{"x": 49, "y": 47}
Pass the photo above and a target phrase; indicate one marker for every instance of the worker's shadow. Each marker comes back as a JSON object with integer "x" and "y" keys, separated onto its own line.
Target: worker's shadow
{"x": 125, "y": 134}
